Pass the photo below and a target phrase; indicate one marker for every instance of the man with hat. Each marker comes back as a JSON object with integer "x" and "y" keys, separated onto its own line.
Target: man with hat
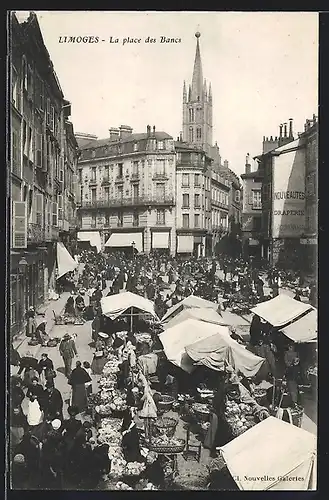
{"x": 67, "y": 350}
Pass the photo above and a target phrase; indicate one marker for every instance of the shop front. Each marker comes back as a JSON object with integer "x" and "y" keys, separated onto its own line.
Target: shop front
{"x": 160, "y": 241}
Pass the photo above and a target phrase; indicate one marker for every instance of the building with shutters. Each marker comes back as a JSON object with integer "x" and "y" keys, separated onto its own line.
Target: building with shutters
{"x": 38, "y": 169}
{"x": 220, "y": 206}
{"x": 126, "y": 193}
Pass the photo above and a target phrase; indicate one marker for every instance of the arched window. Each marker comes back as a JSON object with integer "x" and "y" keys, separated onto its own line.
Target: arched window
{"x": 198, "y": 133}
{"x": 191, "y": 136}
{"x": 191, "y": 115}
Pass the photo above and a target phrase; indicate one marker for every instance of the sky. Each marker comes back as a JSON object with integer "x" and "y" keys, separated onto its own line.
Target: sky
{"x": 263, "y": 69}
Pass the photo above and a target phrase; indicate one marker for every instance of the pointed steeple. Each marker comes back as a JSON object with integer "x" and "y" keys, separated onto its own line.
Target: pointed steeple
{"x": 205, "y": 89}
{"x": 189, "y": 93}
{"x": 197, "y": 79}
{"x": 184, "y": 92}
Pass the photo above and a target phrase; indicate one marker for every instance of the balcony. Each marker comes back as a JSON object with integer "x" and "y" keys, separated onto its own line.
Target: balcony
{"x": 105, "y": 181}
{"x": 119, "y": 179}
{"x": 92, "y": 182}
{"x": 135, "y": 177}
{"x": 35, "y": 233}
{"x": 219, "y": 204}
{"x": 160, "y": 177}
{"x": 140, "y": 201}
{"x": 51, "y": 233}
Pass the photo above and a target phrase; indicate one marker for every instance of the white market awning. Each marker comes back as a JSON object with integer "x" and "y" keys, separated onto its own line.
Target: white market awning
{"x": 115, "y": 305}
{"x": 65, "y": 262}
{"x": 160, "y": 240}
{"x": 125, "y": 240}
{"x": 93, "y": 237}
{"x": 303, "y": 329}
{"x": 185, "y": 243}
{"x": 280, "y": 310}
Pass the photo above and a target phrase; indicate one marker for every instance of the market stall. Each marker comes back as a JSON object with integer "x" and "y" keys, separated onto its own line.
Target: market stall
{"x": 191, "y": 302}
{"x": 272, "y": 455}
{"x": 201, "y": 314}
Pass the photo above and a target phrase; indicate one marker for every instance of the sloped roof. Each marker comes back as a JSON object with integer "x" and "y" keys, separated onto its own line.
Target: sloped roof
{"x": 160, "y": 136}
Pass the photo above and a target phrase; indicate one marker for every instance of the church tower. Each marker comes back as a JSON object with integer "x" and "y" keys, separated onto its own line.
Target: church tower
{"x": 197, "y": 107}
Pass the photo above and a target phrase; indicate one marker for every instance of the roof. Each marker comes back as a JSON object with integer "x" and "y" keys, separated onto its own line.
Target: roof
{"x": 192, "y": 301}
{"x": 93, "y": 144}
{"x": 266, "y": 456}
{"x": 115, "y": 305}
{"x": 281, "y": 310}
{"x": 207, "y": 315}
{"x": 288, "y": 146}
{"x": 252, "y": 175}
{"x": 303, "y": 329}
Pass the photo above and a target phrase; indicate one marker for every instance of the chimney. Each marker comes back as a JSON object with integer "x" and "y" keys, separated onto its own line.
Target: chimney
{"x": 248, "y": 166}
{"x": 125, "y": 131}
{"x": 285, "y": 134}
{"x": 181, "y": 136}
{"x": 291, "y": 134}
{"x": 153, "y": 129}
{"x": 114, "y": 133}
{"x": 148, "y": 129}
{"x": 225, "y": 163}
{"x": 281, "y": 127}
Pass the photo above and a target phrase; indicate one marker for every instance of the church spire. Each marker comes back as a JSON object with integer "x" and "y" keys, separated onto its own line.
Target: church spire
{"x": 210, "y": 93}
{"x": 197, "y": 79}
{"x": 184, "y": 92}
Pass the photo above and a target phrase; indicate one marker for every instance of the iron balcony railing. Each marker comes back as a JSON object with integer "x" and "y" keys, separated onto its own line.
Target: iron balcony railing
{"x": 133, "y": 201}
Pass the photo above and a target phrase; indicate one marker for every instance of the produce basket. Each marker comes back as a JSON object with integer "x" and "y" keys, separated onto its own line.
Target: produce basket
{"x": 201, "y": 412}
{"x": 259, "y": 395}
{"x": 166, "y": 425}
{"x": 169, "y": 449}
{"x": 165, "y": 402}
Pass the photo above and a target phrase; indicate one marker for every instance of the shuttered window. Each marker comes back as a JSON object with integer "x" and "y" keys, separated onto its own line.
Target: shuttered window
{"x": 39, "y": 209}
{"x": 19, "y": 226}
{"x": 55, "y": 214}
{"x": 60, "y": 207}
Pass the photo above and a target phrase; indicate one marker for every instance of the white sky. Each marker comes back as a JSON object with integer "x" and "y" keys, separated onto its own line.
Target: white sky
{"x": 263, "y": 69}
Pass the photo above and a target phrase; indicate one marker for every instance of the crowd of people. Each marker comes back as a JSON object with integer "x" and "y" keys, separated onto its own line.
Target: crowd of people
{"x": 50, "y": 451}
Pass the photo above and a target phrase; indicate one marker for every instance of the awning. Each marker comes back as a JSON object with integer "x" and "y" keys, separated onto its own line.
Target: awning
{"x": 207, "y": 315}
{"x": 125, "y": 240}
{"x": 192, "y": 301}
{"x": 175, "y": 339}
{"x": 280, "y": 310}
{"x": 115, "y": 305}
{"x": 217, "y": 351}
{"x": 303, "y": 329}
{"x": 160, "y": 240}
{"x": 93, "y": 237}
{"x": 272, "y": 455}
{"x": 65, "y": 262}
{"x": 185, "y": 244}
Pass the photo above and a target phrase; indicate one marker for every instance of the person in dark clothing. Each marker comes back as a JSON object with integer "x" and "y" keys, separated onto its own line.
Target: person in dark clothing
{"x": 255, "y": 331}
{"x": 53, "y": 405}
{"x": 18, "y": 427}
{"x": 130, "y": 439}
{"x": 45, "y": 368}
{"x": 154, "y": 472}
{"x": 16, "y": 394}
{"x": 37, "y": 390}
{"x": 69, "y": 307}
{"x": 14, "y": 356}
{"x": 26, "y": 363}
{"x": 53, "y": 461}
{"x": 118, "y": 342}
{"x": 77, "y": 380}
{"x": 30, "y": 448}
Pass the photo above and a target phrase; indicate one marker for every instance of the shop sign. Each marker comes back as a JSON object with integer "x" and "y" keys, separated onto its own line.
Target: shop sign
{"x": 308, "y": 241}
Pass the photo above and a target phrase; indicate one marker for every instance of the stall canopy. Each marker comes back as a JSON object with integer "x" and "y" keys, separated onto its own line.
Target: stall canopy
{"x": 65, "y": 262}
{"x": 207, "y": 315}
{"x": 125, "y": 240}
{"x": 188, "y": 303}
{"x": 185, "y": 244}
{"x": 93, "y": 237}
{"x": 214, "y": 352}
{"x": 115, "y": 305}
{"x": 281, "y": 310}
{"x": 160, "y": 240}
{"x": 303, "y": 329}
{"x": 272, "y": 455}
{"x": 177, "y": 338}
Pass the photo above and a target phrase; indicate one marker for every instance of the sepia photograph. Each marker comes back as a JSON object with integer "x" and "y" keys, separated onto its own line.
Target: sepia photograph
{"x": 162, "y": 311}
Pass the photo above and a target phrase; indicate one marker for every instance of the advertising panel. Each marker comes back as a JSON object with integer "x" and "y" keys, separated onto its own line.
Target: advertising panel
{"x": 288, "y": 202}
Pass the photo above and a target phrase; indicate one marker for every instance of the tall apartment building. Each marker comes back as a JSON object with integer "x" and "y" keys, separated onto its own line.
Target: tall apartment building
{"x": 220, "y": 205}
{"x": 127, "y": 190}
{"x": 38, "y": 171}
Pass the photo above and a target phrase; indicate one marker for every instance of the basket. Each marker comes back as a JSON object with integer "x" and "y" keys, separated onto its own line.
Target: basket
{"x": 165, "y": 402}
{"x": 202, "y": 416}
{"x": 169, "y": 449}
{"x": 167, "y": 424}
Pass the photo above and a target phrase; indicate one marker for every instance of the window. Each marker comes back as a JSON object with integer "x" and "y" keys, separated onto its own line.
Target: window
{"x": 135, "y": 191}
{"x": 135, "y": 147}
{"x": 186, "y": 221}
{"x": 120, "y": 192}
{"x": 135, "y": 218}
{"x": 24, "y": 73}
{"x": 107, "y": 221}
{"x": 160, "y": 191}
{"x": 256, "y": 199}
{"x": 237, "y": 196}
{"x": 120, "y": 170}
{"x": 160, "y": 145}
{"x": 80, "y": 175}
{"x": 160, "y": 167}
{"x": 196, "y": 220}
{"x": 257, "y": 224}
{"x": 15, "y": 152}
{"x": 191, "y": 115}
{"x": 185, "y": 180}
{"x": 107, "y": 193}
{"x": 93, "y": 174}
{"x": 198, "y": 133}
{"x": 135, "y": 168}
{"x": 191, "y": 136}
{"x": 48, "y": 111}
{"x": 197, "y": 180}
{"x": 93, "y": 221}
{"x": 197, "y": 201}
{"x": 30, "y": 82}
{"x": 310, "y": 184}
{"x": 93, "y": 195}
{"x": 120, "y": 219}
{"x": 107, "y": 173}
{"x": 15, "y": 94}
{"x": 160, "y": 217}
{"x": 186, "y": 201}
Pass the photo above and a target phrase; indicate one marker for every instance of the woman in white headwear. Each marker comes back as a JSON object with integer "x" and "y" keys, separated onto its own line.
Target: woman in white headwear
{"x": 34, "y": 413}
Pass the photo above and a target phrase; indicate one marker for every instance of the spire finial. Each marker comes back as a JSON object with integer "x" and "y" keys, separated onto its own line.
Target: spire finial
{"x": 197, "y": 34}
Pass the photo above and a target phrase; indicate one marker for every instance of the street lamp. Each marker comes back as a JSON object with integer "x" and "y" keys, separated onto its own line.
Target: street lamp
{"x": 22, "y": 265}
{"x": 133, "y": 244}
